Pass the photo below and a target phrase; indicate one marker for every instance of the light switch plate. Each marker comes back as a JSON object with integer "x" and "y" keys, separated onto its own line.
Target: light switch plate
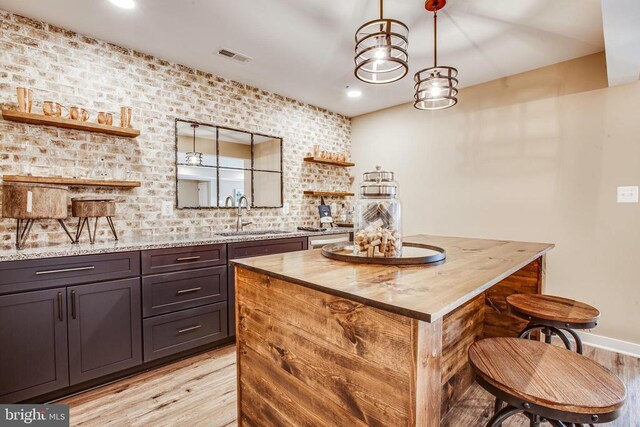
{"x": 167, "y": 208}
{"x": 285, "y": 208}
{"x": 628, "y": 194}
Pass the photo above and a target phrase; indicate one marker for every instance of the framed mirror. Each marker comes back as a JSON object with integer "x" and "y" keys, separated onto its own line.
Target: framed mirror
{"x": 216, "y": 166}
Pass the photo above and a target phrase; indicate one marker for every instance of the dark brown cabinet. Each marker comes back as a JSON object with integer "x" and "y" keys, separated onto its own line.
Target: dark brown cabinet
{"x": 105, "y": 328}
{"x": 156, "y": 261}
{"x": 67, "y": 322}
{"x": 33, "y": 344}
{"x": 21, "y": 276}
{"x": 175, "y": 332}
{"x": 169, "y": 292}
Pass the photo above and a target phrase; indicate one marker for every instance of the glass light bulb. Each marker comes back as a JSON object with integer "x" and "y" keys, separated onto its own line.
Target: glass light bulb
{"x": 380, "y": 53}
{"x": 194, "y": 158}
{"x": 435, "y": 91}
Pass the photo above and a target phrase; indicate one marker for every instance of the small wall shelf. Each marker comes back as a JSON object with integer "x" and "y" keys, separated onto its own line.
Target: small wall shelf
{"x": 70, "y": 181}
{"x": 329, "y": 162}
{"x": 61, "y": 122}
{"x": 328, "y": 193}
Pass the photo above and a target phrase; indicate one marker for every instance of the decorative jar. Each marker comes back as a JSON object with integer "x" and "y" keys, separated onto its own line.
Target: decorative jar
{"x": 377, "y": 216}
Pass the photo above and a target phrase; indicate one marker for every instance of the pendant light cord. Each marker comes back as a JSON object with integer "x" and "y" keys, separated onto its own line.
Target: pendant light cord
{"x": 435, "y": 36}
{"x": 381, "y": 8}
{"x": 194, "y": 138}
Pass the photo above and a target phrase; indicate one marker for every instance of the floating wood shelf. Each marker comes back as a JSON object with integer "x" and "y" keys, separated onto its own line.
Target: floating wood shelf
{"x": 70, "y": 181}
{"x": 329, "y": 162}
{"x": 61, "y": 122}
{"x": 328, "y": 193}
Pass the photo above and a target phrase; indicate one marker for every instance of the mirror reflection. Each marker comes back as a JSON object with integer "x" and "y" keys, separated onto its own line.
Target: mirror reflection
{"x": 216, "y": 166}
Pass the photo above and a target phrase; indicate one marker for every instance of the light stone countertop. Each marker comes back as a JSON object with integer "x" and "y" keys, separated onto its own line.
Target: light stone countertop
{"x": 147, "y": 242}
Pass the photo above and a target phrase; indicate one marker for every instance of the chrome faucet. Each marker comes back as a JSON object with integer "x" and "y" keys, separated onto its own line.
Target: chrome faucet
{"x": 228, "y": 202}
{"x": 240, "y": 223}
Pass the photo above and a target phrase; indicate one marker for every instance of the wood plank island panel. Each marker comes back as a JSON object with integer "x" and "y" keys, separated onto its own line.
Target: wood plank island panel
{"x": 308, "y": 358}
{"x": 311, "y": 358}
{"x": 61, "y": 122}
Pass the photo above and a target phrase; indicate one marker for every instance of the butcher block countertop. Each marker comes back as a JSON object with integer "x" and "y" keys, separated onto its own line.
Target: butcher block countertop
{"x": 426, "y": 292}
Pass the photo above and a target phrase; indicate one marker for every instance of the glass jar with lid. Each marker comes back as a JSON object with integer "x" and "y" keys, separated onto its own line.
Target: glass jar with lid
{"x": 377, "y": 216}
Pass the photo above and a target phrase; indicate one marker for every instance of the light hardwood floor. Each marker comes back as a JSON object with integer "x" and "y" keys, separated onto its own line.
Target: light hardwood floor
{"x": 201, "y": 391}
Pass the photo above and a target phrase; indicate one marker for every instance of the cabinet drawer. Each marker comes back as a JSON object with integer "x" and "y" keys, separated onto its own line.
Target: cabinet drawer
{"x": 17, "y": 276}
{"x": 172, "y": 333}
{"x": 176, "y": 259}
{"x": 166, "y": 293}
{"x": 266, "y": 247}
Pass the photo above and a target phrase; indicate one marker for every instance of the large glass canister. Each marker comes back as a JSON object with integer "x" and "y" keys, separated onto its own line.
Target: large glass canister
{"x": 377, "y": 216}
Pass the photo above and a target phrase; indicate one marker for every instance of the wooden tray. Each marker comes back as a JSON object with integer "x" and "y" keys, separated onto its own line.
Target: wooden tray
{"x": 412, "y": 254}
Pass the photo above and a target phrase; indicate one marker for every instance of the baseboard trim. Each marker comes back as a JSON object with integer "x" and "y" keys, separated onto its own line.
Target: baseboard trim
{"x": 611, "y": 344}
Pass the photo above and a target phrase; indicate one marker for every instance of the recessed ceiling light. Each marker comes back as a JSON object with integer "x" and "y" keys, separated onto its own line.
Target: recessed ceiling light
{"x": 124, "y": 4}
{"x": 353, "y": 92}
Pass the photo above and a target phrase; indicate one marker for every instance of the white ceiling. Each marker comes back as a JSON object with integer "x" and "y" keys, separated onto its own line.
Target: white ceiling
{"x": 304, "y": 48}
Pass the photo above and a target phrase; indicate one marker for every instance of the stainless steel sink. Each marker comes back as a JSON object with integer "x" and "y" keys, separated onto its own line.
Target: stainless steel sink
{"x": 251, "y": 233}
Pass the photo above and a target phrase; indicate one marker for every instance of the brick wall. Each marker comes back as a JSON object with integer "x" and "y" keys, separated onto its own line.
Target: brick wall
{"x": 73, "y": 69}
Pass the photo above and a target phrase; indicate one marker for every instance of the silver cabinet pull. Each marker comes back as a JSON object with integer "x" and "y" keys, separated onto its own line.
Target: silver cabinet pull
{"x": 187, "y": 291}
{"x": 188, "y": 258}
{"x": 65, "y": 270}
{"x": 190, "y": 328}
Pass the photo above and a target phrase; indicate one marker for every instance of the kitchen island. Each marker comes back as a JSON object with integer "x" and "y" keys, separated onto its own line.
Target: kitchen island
{"x": 325, "y": 342}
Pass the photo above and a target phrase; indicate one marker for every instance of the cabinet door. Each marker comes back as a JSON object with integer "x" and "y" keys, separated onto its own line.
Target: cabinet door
{"x": 105, "y": 324}
{"x": 33, "y": 344}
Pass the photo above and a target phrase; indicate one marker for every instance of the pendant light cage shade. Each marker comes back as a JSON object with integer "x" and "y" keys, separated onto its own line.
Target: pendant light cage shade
{"x": 194, "y": 158}
{"x": 436, "y": 88}
{"x": 381, "y": 51}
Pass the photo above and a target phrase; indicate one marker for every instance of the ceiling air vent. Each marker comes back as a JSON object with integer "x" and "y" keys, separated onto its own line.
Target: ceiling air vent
{"x": 235, "y": 56}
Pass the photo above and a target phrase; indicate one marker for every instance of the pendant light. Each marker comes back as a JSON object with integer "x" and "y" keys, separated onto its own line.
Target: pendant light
{"x": 435, "y": 86}
{"x": 193, "y": 157}
{"x": 381, "y": 50}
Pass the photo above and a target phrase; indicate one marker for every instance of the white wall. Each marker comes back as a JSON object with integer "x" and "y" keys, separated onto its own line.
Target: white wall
{"x": 536, "y": 157}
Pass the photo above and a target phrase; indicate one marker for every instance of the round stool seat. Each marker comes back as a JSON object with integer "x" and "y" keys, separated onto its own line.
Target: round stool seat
{"x": 561, "y": 311}
{"x": 546, "y": 379}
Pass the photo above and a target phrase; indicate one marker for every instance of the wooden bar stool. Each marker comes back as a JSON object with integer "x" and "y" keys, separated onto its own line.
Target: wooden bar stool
{"x": 553, "y": 316}
{"x": 546, "y": 383}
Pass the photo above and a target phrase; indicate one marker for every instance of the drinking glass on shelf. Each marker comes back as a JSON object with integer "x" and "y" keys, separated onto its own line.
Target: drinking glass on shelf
{"x": 54, "y": 109}
{"x": 25, "y": 99}
{"x": 125, "y": 117}
{"x": 316, "y": 151}
{"x": 78, "y": 113}
{"x": 105, "y": 118}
